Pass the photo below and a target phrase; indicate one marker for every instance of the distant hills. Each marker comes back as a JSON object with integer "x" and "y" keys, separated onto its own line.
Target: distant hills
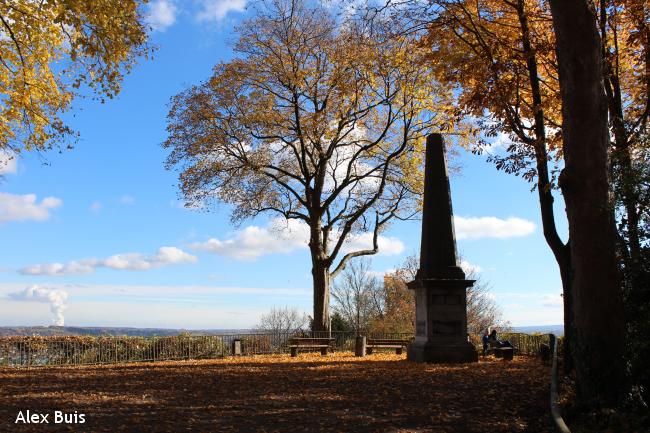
{"x": 542, "y": 329}
{"x": 6, "y": 331}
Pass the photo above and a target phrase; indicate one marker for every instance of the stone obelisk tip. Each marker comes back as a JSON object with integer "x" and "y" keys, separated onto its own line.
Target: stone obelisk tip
{"x": 438, "y": 258}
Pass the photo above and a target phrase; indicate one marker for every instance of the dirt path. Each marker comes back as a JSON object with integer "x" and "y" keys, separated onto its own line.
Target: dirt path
{"x": 310, "y": 393}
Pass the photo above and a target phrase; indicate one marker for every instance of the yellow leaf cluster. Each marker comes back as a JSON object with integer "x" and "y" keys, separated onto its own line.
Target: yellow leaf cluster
{"x": 501, "y": 56}
{"x": 48, "y": 49}
{"x": 480, "y": 46}
{"x": 315, "y": 119}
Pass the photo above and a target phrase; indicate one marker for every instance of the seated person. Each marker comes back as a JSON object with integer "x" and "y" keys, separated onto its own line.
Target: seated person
{"x": 499, "y": 343}
{"x": 485, "y": 340}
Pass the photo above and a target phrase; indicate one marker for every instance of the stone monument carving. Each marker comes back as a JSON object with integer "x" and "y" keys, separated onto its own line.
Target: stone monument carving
{"x": 440, "y": 284}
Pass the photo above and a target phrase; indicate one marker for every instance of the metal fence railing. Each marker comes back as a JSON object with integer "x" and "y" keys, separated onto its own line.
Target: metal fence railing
{"x": 88, "y": 350}
{"x": 560, "y": 425}
{"x": 526, "y": 344}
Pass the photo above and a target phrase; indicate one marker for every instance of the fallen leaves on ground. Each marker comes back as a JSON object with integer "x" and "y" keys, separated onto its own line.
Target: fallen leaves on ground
{"x": 273, "y": 393}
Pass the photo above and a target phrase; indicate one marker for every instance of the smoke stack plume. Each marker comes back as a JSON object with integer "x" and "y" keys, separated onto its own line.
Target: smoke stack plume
{"x": 57, "y": 299}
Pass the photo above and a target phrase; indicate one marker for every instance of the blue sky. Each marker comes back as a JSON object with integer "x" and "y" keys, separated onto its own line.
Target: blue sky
{"x": 97, "y": 235}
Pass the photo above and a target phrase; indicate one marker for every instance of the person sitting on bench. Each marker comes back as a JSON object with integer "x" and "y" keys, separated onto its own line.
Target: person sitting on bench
{"x": 486, "y": 341}
{"x": 500, "y": 343}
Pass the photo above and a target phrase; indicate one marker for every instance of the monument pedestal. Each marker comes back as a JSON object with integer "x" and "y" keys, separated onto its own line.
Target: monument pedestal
{"x": 429, "y": 351}
{"x": 441, "y": 322}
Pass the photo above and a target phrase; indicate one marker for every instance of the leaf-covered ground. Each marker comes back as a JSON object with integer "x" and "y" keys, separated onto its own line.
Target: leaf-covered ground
{"x": 310, "y": 393}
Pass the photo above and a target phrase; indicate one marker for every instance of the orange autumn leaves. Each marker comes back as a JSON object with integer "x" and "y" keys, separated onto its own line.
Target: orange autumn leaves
{"x": 501, "y": 55}
{"x": 338, "y": 392}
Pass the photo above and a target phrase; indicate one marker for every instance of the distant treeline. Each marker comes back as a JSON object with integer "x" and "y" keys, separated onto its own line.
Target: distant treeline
{"x": 45, "y": 331}
{"x": 542, "y": 329}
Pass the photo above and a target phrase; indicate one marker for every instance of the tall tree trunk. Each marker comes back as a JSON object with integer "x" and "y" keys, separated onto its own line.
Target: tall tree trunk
{"x": 321, "y": 275}
{"x": 598, "y": 307}
{"x": 318, "y": 246}
{"x": 544, "y": 188}
{"x": 320, "y": 272}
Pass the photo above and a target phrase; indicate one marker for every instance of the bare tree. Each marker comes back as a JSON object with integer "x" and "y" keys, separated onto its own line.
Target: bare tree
{"x": 358, "y": 295}
{"x": 399, "y": 302}
{"x": 482, "y": 310}
{"x": 282, "y": 321}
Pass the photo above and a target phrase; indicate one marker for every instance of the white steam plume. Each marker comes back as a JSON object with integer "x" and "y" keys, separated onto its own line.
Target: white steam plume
{"x": 55, "y": 297}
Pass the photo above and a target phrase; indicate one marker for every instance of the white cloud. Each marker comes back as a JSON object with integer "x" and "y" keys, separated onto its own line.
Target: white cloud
{"x": 491, "y": 227}
{"x": 527, "y": 315}
{"x": 127, "y": 199}
{"x": 161, "y": 14}
{"x": 498, "y": 143}
{"x": 162, "y": 292}
{"x": 177, "y": 204}
{"x": 96, "y": 207}
{"x": 216, "y": 10}
{"x": 165, "y": 256}
{"x": 86, "y": 266}
{"x": 531, "y": 308}
{"x": 381, "y": 274}
{"x": 25, "y": 207}
{"x": 8, "y": 164}
{"x": 281, "y": 236}
{"x": 139, "y": 262}
{"x": 55, "y": 297}
{"x": 253, "y": 241}
{"x": 470, "y": 268}
{"x": 388, "y": 246}
{"x": 552, "y": 301}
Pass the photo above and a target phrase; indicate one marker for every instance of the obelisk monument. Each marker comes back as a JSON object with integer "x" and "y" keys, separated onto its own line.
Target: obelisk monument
{"x": 440, "y": 284}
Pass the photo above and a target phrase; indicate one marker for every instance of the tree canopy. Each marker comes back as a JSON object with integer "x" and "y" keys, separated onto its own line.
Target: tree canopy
{"x": 316, "y": 120}
{"x": 48, "y": 50}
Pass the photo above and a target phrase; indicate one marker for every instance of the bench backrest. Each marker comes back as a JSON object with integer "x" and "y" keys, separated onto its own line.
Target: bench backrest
{"x": 388, "y": 341}
{"x": 300, "y": 341}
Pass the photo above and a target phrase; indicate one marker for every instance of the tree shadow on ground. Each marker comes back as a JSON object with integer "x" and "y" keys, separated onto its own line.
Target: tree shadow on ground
{"x": 310, "y": 393}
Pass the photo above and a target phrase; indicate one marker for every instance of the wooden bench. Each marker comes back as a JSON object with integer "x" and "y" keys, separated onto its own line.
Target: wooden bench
{"x": 500, "y": 352}
{"x": 386, "y": 343}
{"x": 324, "y": 344}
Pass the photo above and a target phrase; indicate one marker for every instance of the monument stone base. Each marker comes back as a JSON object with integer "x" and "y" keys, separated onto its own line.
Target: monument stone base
{"x": 428, "y": 351}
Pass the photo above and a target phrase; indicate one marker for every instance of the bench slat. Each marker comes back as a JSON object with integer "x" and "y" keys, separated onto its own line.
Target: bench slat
{"x": 309, "y": 345}
{"x": 324, "y": 344}
{"x": 388, "y": 342}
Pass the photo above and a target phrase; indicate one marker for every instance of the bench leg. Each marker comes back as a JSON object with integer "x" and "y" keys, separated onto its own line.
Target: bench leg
{"x": 323, "y": 351}
{"x": 369, "y": 350}
{"x": 294, "y": 352}
{"x": 398, "y": 351}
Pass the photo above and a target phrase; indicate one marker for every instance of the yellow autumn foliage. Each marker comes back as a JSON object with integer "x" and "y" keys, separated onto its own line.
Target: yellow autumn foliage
{"x": 315, "y": 119}
{"x": 48, "y": 50}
